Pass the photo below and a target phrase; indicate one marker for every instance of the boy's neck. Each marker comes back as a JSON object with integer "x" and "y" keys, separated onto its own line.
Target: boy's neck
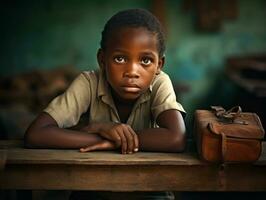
{"x": 124, "y": 107}
{"x": 119, "y": 100}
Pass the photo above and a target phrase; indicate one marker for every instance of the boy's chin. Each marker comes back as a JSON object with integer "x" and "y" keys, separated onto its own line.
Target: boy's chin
{"x": 130, "y": 96}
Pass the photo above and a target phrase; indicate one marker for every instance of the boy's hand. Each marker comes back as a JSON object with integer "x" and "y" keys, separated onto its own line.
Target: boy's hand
{"x": 103, "y": 145}
{"x": 121, "y": 134}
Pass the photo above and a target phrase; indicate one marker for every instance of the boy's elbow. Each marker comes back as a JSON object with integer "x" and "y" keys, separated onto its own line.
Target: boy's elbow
{"x": 179, "y": 143}
{"x": 181, "y": 146}
{"x": 30, "y": 139}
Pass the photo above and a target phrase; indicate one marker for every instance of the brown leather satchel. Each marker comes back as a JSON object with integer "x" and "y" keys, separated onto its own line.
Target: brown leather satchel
{"x": 228, "y": 136}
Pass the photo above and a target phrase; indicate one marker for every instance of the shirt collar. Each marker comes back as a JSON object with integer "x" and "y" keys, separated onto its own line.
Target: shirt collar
{"x": 102, "y": 85}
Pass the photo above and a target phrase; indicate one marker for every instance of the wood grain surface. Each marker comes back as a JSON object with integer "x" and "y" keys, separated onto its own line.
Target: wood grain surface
{"x": 44, "y": 169}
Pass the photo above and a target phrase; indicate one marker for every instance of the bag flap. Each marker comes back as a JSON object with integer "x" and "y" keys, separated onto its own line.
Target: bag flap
{"x": 248, "y": 131}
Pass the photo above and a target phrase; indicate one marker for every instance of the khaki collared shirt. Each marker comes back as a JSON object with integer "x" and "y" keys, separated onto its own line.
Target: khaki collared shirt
{"x": 90, "y": 93}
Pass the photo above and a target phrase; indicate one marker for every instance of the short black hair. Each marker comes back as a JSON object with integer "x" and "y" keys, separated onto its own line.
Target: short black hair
{"x": 135, "y": 18}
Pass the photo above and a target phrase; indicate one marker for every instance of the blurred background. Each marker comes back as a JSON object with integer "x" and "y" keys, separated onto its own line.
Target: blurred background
{"x": 216, "y": 52}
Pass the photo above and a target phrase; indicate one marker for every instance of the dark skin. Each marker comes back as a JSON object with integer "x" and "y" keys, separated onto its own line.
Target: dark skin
{"x": 130, "y": 62}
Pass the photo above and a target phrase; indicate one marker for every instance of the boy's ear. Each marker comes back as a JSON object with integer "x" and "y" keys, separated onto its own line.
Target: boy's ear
{"x": 160, "y": 64}
{"x": 100, "y": 58}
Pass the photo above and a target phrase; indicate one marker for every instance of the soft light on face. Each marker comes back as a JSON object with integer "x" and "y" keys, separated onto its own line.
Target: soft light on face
{"x": 131, "y": 61}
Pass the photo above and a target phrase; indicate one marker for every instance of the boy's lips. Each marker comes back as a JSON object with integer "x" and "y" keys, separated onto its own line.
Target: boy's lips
{"x": 131, "y": 88}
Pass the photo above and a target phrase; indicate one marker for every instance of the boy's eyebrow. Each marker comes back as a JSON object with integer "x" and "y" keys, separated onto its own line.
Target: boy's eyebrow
{"x": 149, "y": 53}
{"x": 146, "y": 52}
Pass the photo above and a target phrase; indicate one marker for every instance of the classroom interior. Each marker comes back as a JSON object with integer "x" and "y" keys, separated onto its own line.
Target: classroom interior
{"x": 215, "y": 55}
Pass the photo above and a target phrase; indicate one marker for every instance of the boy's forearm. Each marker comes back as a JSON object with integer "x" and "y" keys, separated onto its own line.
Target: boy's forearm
{"x": 55, "y": 137}
{"x": 161, "y": 139}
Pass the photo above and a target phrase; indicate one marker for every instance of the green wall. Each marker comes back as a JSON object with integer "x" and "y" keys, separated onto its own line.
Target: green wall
{"x": 47, "y": 34}
{"x": 199, "y": 58}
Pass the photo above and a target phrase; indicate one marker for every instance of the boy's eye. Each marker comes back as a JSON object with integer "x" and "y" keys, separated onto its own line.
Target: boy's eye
{"x": 120, "y": 59}
{"x": 146, "y": 61}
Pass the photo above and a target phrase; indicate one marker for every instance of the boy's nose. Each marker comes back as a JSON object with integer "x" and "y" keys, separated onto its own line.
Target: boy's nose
{"x": 132, "y": 71}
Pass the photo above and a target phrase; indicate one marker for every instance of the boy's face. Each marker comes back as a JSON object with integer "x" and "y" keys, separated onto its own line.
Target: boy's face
{"x": 130, "y": 61}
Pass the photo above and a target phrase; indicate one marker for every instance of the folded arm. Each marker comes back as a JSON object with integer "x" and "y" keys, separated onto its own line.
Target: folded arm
{"x": 45, "y": 133}
{"x": 169, "y": 137}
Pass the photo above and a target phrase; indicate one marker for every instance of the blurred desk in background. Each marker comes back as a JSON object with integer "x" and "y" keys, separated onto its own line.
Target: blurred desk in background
{"x": 248, "y": 73}
{"x": 46, "y": 169}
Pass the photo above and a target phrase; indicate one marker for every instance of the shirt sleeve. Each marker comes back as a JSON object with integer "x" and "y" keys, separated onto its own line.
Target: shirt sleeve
{"x": 163, "y": 96}
{"x": 67, "y": 108}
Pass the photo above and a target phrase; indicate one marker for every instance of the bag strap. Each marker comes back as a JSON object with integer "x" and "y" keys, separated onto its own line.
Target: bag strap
{"x": 228, "y": 115}
{"x": 224, "y": 140}
{"x": 224, "y": 149}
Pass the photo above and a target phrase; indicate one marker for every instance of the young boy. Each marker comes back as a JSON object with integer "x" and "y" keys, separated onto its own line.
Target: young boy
{"x": 130, "y": 102}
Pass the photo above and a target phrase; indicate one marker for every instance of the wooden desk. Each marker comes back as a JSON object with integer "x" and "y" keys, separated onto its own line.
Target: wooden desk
{"x": 44, "y": 169}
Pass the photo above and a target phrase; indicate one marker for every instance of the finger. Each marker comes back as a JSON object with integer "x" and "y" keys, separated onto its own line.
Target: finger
{"x": 135, "y": 138}
{"x": 90, "y": 148}
{"x": 123, "y": 140}
{"x": 129, "y": 138}
{"x": 104, "y": 145}
{"x": 116, "y": 138}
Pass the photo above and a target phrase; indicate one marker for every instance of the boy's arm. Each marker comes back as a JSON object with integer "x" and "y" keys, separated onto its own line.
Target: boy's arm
{"x": 169, "y": 137}
{"x": 45, "y": 133}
